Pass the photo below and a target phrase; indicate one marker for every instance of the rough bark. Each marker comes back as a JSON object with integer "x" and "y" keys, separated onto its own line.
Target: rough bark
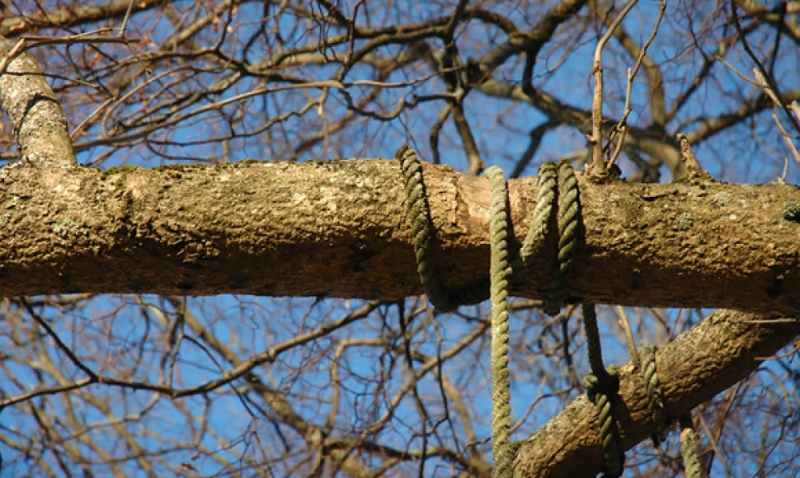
{"x": 700, "y": 363}
{"x": 39, "y": 123}
{"x": 339, "y": 229}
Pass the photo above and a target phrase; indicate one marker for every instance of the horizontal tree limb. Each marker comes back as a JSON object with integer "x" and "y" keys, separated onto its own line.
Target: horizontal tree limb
{"x": 339, "y": 228}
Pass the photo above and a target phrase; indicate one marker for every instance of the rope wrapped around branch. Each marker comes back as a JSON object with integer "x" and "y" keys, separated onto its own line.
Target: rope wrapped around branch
{"x": 421, "y": 230}
{"x": 602, "y": 383}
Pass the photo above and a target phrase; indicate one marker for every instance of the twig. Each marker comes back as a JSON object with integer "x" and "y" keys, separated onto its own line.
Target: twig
{"x": 436, "y": 129}
{"x": 598, "y": 167}
{"x": 59, "y": 343}
{"x": 622, "y": 125}
{"x": 765, "y": 85}
{"x": 626, "y": 326}
{"x": 689, "y": 159}
{"x": 78, "y": 129}
{"x": 16, "y": 50}
{"x": 40, "y": 40}
{"x": 787, "y": 138}
{"x": 125, "y": 20}
{"x": 765, "y": 75}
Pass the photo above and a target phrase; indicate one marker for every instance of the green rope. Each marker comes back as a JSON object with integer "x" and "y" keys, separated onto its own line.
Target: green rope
{"x": 593, "y": 346}
{"x": 655, "y": 397}
{"x": 500, "y": 272}
{"x": 568, "y": 222}
{"x": 540, "y": 222}
{"x": 601, "y": 384}
{"x": 689, "y": 448}
{"x": 422, "y": 233}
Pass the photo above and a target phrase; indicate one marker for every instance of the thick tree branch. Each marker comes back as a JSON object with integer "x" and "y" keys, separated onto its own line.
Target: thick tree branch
{"x": 700, "y": 363}
{"x": 339, "y": 229}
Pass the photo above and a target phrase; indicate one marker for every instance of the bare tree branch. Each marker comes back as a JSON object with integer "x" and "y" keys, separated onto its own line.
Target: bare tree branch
{"x": 41, "y": 127}
{"x": 722, "y": 350}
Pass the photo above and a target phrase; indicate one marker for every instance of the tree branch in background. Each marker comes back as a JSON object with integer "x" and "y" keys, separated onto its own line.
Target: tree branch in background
{"x": 723, "y": 349}
{"x": 40, "y": 125}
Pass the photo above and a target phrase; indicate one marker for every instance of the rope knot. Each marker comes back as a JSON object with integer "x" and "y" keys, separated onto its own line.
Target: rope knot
{"x": 606, "y": 383}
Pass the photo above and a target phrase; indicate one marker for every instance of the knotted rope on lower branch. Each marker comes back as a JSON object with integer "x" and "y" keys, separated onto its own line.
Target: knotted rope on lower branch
{"x": 655, "y": 398}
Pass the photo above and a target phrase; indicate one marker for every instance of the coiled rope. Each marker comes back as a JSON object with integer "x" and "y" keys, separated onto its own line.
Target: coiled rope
{"x": 569, "y": 216}
{"x": 421, "y": 230}
{"x": 603, "y": 382}
{"x": 539, "y": 228}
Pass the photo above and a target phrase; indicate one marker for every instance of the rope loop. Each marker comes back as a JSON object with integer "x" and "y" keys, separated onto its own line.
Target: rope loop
{"x": 655, "y": 396}
{"x": 602, "y": 383}
{"x": 600, "y": 390}
{"x": 655, "y": 399}
{"x": 422, "y": 237}
{"x": 540, "y": 222}
{"x": 569, "y": 217}
{"x": 606, "y": 383}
